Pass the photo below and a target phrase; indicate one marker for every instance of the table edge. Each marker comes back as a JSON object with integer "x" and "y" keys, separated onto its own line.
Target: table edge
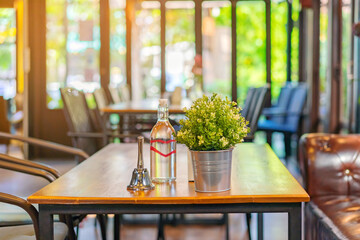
{"x": 152, "y": 200}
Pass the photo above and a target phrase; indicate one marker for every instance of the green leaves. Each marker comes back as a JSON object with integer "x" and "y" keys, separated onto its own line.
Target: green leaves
{"x": 212, "y": 123}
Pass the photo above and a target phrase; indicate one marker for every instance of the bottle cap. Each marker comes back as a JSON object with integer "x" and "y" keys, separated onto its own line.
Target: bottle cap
{"x": 163, "y": 102}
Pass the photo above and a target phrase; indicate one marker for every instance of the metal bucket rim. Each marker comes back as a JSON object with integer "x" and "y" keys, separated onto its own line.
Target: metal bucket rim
{"x": 225, "y": 150}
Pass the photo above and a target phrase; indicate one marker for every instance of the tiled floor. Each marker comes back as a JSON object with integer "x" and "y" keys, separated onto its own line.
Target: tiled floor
{"x": 275, "y": 223}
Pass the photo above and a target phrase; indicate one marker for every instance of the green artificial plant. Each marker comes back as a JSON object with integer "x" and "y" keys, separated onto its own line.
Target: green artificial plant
{"x": 212, "y": 124}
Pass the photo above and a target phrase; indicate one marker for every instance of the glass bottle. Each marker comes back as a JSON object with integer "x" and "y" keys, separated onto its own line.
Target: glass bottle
{"x": 163, "y": 147}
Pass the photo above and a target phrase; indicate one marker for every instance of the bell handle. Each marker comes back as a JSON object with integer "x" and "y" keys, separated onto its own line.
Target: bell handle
{"x": 140, "y": 163}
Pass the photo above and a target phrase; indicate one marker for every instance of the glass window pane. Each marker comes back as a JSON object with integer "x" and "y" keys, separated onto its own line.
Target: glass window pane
{"x": 7, "y": 53}
{"x": 72, "y": 47}
{"x": 216, "y": 32}
{"x": 346, "y": 65}
{"x": 295, "y": 42}
{"x": 180, "y": 43}
{"x": 117, "y": 42}
{"x": 324, "y": 15}
{"x": 278, "y": 47}
{"x": 251, "y": 46}
{"x": 145, "y": 50}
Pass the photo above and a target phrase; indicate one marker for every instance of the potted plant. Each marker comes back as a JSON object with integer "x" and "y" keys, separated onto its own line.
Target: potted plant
{"x": 211, "y": 128}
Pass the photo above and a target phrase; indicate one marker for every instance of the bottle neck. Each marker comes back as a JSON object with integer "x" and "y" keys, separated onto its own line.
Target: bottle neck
{"x": 163, "y": 113}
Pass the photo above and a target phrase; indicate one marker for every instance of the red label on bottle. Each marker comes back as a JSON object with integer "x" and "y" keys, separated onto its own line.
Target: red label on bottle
{"x": 162, "y": 141}
{"x": 162, "y": 154}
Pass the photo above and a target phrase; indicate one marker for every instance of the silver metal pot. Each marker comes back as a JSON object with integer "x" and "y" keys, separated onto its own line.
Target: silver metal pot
{"x": 212, "y": 170}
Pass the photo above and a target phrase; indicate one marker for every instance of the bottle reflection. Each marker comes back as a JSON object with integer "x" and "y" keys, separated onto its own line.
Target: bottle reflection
{"x": 165, "y": 189}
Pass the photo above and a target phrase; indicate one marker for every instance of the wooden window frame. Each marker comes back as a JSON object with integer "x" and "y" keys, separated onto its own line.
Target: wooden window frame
{"x": 105, "y": 40}
{"x": 198, "y": 39}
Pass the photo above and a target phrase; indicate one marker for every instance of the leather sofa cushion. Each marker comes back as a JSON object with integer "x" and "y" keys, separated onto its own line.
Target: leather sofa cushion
{"x": 333, "y": 217}
{"x": 331, "y": 164}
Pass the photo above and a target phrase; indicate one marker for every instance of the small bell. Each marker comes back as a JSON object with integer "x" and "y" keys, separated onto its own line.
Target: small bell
{"x": 140, "y": 178}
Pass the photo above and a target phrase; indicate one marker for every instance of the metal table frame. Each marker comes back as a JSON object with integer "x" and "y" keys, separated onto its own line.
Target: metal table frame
{"x": 46, "y": 212}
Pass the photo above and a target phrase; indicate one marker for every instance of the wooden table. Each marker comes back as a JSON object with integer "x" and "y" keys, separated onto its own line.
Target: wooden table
{"x": 146, "y": 106}
{"x": 260, "y": 183}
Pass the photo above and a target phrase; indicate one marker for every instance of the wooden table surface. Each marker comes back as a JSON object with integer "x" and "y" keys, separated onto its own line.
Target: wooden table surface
{"x": 145, "y": 106}
{"x": 257, "y": 176}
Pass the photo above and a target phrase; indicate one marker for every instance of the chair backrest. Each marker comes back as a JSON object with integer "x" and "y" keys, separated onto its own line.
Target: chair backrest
{"x": 252, "y": 105}
{"x": 176, "y": 96}
{"x": 284, "y": 96}
{"x": 248, "y": 100}
{"x": 124, "y": 93}
{"x": 101, "y": 99}
{"x": 296, "y": 107}
{"x": 79, "y": 119}
{"x": 4, "y": 122}
{"x": 114, "y": 94}
{"x": 329, "y": 163}
{"x": 259, "y": 103}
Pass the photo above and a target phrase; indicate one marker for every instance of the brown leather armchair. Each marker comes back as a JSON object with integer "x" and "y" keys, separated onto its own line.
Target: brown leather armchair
{"x": 330, "y": 165}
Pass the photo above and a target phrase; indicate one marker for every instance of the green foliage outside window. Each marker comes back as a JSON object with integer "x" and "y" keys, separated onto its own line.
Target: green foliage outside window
{"x": 178, "y": 24}
{"x": 251, "y": 40}
{"x": 7, "y": 37}
{"x": 251, "y": 44}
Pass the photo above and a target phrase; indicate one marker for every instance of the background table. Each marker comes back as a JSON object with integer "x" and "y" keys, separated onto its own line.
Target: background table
{"x": 146, "y": 106}
{"x": 260, "y": 183}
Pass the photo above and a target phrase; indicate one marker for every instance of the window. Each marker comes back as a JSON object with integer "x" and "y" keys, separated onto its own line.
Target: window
{"x": 324, "y": 16}
{"x": 117, "y": 43}
{"x": 278, "y": 46}
{"x": 72, "y": 47}
{"x": 180, "y": 43}
{"x": 7, "y": 52}
{"x": 251, "y": 46}
{"x": 346, "y": 64}
{"x": 295, "y": 42}
{"x": 216, "y": 46}
{"x": 164, "y": 38}
{"x": 145, "y": 50}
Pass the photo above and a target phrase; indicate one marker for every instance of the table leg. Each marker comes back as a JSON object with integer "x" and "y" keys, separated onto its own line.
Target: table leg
{"x": 102, "y": 222}
{"x": 46, "y": 224}
{"x": 117, "y": 227}
{"x": 295, "y": 222}
{"x": 226, "y": 220}
{"x": 161, "y": 235}
{"x": 260, "y": 226}
{"x": 121, "y": 124}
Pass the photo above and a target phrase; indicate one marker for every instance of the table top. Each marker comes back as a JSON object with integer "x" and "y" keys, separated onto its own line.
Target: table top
{"x": 257, "y": 176}
{"x": 145, "y": 106}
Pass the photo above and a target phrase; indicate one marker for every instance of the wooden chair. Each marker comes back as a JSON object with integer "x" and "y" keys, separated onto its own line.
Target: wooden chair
{"x": 87, "y": 131}
{"x": 291, "y": 118}
{"x": 254, "y": 108}
{"x": 124, "y": 92}
{"x": 101, "y": 98}
{"x": 84, "y": 129}
{"x": 134, "y": 125}
{"x": 114, "y": 95}
{"x": 249, "y": 97}
{"x": 102, "y": 101}
{"x": 78, "y": 153}
{"x": 112, "y": 122}
{"x": 281, "y": 106}
{"x": 30, "y": 231}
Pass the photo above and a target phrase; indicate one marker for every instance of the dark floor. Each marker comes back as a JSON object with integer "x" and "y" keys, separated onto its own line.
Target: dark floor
{"x": 275, "y": 223}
